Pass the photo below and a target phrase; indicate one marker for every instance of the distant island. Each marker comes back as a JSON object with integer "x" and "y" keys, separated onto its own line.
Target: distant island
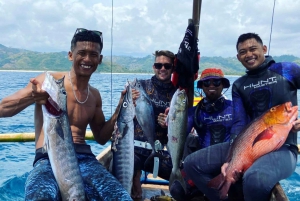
{"x": 20, "y": 59}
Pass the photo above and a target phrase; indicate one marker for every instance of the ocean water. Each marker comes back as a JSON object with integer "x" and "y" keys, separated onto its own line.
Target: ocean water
{"x": 16, "y": 158}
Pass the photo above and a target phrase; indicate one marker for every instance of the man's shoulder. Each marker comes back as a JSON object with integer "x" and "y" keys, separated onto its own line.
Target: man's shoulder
{"x": 285, "y": 64}
{"x": 57, "y": 75}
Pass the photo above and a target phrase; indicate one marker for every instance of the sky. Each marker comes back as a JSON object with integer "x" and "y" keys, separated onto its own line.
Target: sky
{"x": 139, "y": 27}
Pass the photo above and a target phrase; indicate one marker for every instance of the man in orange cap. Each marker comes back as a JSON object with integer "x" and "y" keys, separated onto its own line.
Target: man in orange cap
{"x": 212, "y": 120}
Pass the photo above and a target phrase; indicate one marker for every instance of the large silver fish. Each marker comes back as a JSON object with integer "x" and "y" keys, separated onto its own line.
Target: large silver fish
{"x": 145, "y": 113}
{"x": 59, "y": 141}
{"x": 177, "y": 125}
{"x": 123, "y": 145}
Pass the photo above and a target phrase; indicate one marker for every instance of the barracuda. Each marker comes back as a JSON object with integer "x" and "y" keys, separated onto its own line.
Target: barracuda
{"x": 122, "y": 145}
{"x": 59, "y": 141}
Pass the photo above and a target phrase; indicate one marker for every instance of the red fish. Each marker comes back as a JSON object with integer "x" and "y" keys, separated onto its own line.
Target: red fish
{"x": 265, "y": 134}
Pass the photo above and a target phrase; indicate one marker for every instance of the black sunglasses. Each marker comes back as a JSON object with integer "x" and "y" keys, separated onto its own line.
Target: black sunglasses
{"x": 216, "y": 82}
{"x": 160, "y": 65}
{"x": 83, "y": 31}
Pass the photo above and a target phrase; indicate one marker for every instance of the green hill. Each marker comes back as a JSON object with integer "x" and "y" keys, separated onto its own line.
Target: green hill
{"x": 20, "y": 59}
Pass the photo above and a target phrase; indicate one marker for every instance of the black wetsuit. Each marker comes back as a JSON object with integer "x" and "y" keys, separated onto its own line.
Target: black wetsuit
{"x": 160, "y": 94}
{"x": 269, "y": 85}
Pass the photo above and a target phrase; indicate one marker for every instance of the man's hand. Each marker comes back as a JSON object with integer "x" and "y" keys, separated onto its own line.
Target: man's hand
{"x": 40, "y": 96}
{"x": 224, "y": 168}
{"x": 296, "y": 126}
{"x": 135, "y": 95}
{"x": 162, "y": 118}
{"x": 235, "y": 174}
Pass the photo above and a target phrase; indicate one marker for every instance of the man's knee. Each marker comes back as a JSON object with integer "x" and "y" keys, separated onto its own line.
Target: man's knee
{"x": 256, "y": 183}
{"x": 188, "y": 164}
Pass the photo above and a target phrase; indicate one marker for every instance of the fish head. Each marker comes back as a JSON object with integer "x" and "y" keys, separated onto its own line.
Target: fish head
{"x": 127, "y": 110}
{"x": 181, "y": 100}
{"x": 281, "y": 114}
{"x": 57, "y": 101}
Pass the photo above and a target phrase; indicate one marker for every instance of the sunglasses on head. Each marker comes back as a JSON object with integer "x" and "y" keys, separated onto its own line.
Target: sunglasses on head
{"x": 85, "y": 31}
{"x": 215, "y": 82}
{"x": 160, "y": 65}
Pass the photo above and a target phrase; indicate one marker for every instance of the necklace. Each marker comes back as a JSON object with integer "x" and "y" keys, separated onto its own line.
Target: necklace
{"x": 88, "y": 88}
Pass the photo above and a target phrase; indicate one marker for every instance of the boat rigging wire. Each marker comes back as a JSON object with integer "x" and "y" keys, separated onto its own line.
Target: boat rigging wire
{"x": 111, "y": 47}
{"x": 271, "y": 28}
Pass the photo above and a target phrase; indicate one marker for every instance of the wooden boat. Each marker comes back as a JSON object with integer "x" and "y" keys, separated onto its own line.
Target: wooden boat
{"x": 153, "y": 187}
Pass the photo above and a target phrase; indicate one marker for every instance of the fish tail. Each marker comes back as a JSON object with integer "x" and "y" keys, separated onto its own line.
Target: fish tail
{"x": 224, "y": 190}
{"x": 217, "y": 182}
{"x": 221, "y": 184}
{"x": 176, "y": 175}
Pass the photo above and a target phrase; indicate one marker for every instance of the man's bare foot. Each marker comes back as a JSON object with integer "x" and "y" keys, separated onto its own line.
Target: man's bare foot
{"x": 136, "y": 192}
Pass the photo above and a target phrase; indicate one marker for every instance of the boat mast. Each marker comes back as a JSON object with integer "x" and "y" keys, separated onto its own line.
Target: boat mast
{"x": 196, "y": 20}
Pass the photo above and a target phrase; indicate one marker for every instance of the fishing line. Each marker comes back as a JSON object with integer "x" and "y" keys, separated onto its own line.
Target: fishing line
{"x": 271, "y": 28}
{"x": 111, "y": 47}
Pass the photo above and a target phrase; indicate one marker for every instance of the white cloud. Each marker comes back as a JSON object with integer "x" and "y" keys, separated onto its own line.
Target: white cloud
{"x": 142, "y": 26}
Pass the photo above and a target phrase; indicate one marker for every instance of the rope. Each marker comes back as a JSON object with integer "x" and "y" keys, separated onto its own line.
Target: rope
{"x": 111, "y": 47}
{"x": 271, "y": 28}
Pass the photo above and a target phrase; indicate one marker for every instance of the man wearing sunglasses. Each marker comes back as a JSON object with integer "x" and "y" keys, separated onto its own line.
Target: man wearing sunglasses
{"x": 160, "y": 90}
{"x": 211, "y": 118}
{"x": 84, "y": 108}
{"x": 265, "y": 85}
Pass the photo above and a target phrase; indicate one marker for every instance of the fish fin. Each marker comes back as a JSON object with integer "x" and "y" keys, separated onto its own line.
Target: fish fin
{"x": 45, "y": 146}
{"x": 217, "y": 182}
{"x": 224, "y": 190}
{"x": 221, "y": 184}
{"x": 265, "y": 135}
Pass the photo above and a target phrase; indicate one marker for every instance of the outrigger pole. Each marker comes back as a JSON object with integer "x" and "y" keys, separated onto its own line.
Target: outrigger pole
{"x": 196, "y": 20}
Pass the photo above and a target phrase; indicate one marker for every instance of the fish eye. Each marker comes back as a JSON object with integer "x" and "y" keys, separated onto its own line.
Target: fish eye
{"x": 125, "y": 104}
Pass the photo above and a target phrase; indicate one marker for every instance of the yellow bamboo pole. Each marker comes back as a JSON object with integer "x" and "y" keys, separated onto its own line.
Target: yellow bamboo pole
{"x": 29, "y": 137}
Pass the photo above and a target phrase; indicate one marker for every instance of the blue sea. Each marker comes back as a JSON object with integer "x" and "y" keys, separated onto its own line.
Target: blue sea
{"x": 16, "y": 158}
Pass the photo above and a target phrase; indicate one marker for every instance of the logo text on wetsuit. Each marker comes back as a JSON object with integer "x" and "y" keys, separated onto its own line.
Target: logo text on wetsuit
{"x": 262, "y": 83}
{"x": 219, "y": 118}
{"x": 160, "y": 103}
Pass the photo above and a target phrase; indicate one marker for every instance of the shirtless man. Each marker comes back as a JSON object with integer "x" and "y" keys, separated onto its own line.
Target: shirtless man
{"x": 84, "y": 108}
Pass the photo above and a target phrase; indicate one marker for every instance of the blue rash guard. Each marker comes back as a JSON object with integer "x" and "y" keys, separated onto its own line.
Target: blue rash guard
{"x": 212, "y": 124}
{"x": 277, "y": 84}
